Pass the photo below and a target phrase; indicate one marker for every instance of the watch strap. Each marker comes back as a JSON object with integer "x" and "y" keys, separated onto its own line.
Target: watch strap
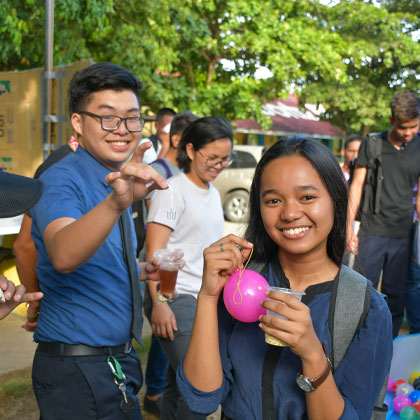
{"x": 316, "y": 382}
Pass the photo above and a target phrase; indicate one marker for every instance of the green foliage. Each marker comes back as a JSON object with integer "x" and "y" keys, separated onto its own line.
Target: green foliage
{"x": 203, "y": 54}
{"x": 17, "y": 388}
{"x": 381, "y": 57}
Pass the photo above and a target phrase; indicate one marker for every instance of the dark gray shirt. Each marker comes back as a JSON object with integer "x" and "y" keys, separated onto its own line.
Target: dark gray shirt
{"x": 401, "y": 170}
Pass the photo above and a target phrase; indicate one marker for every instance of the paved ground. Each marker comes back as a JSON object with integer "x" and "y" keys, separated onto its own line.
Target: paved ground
{"x": 17, "y": 347}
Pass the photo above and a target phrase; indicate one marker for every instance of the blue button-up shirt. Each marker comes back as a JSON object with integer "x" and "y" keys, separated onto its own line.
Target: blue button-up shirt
{"x": 91, "y": 305}
{"x": 359, "y": 377}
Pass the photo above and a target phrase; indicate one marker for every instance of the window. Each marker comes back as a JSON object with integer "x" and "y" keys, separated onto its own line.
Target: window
{"x": 242, "y": 159}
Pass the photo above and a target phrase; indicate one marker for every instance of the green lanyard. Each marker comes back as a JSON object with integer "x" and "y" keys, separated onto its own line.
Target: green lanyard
{"x": 116, "y": 369}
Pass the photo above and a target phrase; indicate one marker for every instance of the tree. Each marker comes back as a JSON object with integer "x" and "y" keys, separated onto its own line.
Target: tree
{"x": 196, "y": 54}
{"x": 381, "y": 57}
{"x": 203, "y": 55}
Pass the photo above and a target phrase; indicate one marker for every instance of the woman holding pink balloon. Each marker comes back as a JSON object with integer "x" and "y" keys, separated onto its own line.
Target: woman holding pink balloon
{"x": 296, "y": 235}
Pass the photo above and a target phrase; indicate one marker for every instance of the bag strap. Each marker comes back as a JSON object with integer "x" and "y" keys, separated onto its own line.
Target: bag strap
{"x": 350, "y": 300}
{"x": 373, "y": 183}
{"x": 379, "y": 175}
{"x": 271, "y": 360}
{"x": 165, "y": 166}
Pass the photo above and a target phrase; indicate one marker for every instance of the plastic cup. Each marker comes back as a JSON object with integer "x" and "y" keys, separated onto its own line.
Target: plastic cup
{"x": 168, "y": 274}
{"x": 170, "y": 263}
{"x": 269, "y": 339}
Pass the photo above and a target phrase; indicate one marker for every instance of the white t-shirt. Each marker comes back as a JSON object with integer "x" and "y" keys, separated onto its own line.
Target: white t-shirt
{"x": 196, "y": 220}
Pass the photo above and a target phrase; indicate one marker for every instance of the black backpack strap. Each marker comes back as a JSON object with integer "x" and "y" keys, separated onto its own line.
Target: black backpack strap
{"x": 379, "y": 176}
{"x": 165, "y": 166}
{"x": 138, "y": 213}
{"x": 350, "y": 300}
{"x": 271, "y": 359}
{"x": 374, "y": 177}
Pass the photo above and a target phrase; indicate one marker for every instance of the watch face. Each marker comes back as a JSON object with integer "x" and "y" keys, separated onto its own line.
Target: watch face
{"x": 304, "y": 383}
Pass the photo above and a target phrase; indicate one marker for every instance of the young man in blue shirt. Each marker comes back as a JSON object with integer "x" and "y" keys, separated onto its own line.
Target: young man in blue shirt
{"x": 84, "y": 366}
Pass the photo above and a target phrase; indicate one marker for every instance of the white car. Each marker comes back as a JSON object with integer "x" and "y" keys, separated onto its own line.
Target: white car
{"x": 235, "y": 181}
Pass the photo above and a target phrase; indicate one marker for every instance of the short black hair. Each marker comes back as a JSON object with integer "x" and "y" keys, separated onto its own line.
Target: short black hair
{"x": 352, "y": 138}
{"x": 98, "y": 77}
{"x": 199, "y": 133}
{"x": 405, "y": 106}
{"x": 164, "y": 111}
{"x": 327, "y": 167}
{"x": 180, "y": 122}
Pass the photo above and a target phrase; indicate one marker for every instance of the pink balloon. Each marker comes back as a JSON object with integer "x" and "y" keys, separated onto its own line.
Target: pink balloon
{"x": 242, "y": 296}
{"x": 400, "y": 402}
{"x": 390, "y": 384}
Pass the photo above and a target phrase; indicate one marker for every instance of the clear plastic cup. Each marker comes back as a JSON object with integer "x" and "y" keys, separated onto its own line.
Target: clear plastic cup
{"x": 170, "y": 263}
{"x": 269, "y": 339}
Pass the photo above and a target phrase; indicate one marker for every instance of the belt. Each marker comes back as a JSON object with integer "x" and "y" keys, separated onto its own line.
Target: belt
{"x": 63, "y": 349}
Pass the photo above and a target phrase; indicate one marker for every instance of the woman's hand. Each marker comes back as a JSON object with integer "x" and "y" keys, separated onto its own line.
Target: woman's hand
{"x": 296, "y": 330}
{"x": 163, "y": 321}
{"x": 221, "y": 259}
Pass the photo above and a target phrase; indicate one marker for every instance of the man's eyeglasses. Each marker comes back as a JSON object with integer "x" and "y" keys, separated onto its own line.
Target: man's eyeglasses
{"x": 211, "y": 163}
{"x": 112, "y": 122}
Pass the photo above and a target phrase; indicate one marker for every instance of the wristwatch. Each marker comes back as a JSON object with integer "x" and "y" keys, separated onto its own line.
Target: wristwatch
{"x": 308, "y": 385}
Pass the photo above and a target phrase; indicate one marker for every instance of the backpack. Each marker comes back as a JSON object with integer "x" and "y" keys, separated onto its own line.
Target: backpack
{"x": 350, "y": 301}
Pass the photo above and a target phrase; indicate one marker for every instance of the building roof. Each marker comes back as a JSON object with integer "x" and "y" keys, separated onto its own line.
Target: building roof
{"x": 288, "y": 119}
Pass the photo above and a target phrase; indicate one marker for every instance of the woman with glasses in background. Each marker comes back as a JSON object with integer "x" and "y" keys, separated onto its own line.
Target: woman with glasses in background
{"x": 188, "y": 215}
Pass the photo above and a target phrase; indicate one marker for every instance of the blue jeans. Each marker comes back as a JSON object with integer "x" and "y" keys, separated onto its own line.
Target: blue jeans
{"x": 157, "y": 365}
{"x": 412, "y": 298}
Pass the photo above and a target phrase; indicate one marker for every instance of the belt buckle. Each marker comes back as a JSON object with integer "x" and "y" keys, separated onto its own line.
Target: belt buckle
{"x": 127, "y": 347}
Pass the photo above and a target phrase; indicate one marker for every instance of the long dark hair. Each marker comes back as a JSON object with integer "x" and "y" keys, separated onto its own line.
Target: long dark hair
{"x": 329, "y": 171}
{"x": 199, "y": 133}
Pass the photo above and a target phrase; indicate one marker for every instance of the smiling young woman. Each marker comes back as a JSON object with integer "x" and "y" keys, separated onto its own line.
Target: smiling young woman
{"x": 297, "y": 226}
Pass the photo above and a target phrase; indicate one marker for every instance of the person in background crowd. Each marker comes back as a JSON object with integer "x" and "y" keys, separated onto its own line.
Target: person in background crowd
{"x": 351, "y": 150}
{"x": 383, "y": 242}
{"x": 17, "y": 195}
{"x": 160, "y": 140}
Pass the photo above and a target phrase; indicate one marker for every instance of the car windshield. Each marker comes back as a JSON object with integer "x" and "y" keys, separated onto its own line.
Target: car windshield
{"x": 242, "y": 159}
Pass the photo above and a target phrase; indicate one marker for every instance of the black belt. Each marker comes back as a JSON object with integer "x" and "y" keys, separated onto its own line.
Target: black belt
{"x": 63, "y": 349}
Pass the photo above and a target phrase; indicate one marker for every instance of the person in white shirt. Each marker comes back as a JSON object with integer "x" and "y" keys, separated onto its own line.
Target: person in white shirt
{"x": 188, "y": 216}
